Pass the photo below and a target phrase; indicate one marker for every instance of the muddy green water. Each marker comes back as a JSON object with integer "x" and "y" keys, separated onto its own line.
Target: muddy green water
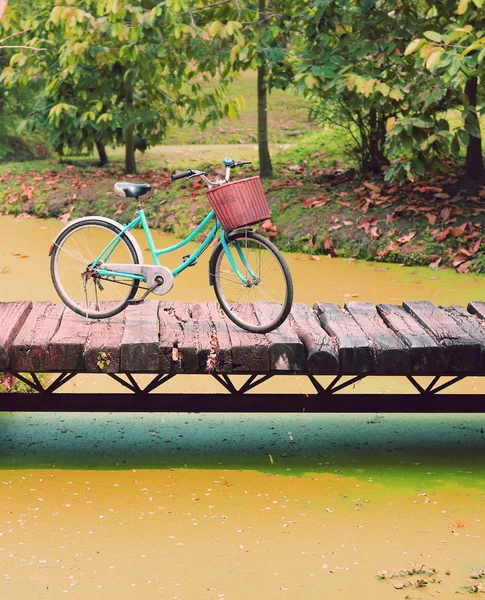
{"x": 227, "y": 507}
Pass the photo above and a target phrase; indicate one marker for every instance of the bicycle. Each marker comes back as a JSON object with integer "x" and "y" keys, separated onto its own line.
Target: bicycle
{"x": 97, "y": 266}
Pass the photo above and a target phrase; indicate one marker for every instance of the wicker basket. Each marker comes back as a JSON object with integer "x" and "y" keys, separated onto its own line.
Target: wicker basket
{"x": 239, "y": 203}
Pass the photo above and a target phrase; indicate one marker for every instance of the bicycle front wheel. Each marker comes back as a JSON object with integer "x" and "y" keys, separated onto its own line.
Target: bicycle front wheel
{"x": 96, "y": 297}
{"x": 266, "y": 279}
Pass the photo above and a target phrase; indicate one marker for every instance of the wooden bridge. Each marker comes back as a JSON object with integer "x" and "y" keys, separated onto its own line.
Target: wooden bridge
{"x": 416, "y": 340}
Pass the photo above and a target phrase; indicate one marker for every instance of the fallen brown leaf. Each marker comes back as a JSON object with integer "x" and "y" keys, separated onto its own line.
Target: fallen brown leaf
{"x": 372, "y": 186}
{"x": 406, "y": 238}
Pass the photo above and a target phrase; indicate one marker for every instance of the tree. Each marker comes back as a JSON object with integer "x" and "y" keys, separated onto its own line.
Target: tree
{"x": 457, "y": 52}
{"x": 265, "y": 167}
{"x": 353, "y": 66}
{"x": 265, "y": 43}
{"x": 117, "y": 72}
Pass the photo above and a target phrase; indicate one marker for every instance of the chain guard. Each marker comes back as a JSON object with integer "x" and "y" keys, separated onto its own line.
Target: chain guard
{"x": 150, "y": 272}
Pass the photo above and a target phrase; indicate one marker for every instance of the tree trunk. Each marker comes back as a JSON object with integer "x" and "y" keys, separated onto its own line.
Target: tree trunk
{"x": 265, "y": 167}
{"x": 373, "y": 137}
{"x": 103, "y": 157}
{"x": 130, "y": 162}
{"x": 474, "y": 158}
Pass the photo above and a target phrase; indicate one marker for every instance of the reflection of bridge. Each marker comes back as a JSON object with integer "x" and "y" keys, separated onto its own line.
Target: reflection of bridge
{"x": 417, "y": 340}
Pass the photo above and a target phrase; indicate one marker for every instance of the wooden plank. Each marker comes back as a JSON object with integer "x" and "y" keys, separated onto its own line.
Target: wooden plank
{"x": 477, "y": 308}
{"x": 286, "y": 352}
{"x": 12, "y": 316}
{"x": 139, "y": 344}
{"x": 427, "y": 356}
{"x": 30, "y": 349}
{"x": 177, "y": 343}
{"x": 66, "y": 348}
{"x": 102, "y": 351}
{"x": 470, "y": 324}
{"x": 205, "y": 339}
{"x": 212, "y": 338}
{"x": 250, "y": 351}
{"x": 461, "y": 351}
{"x": 355, "y": 353}
{"x": 224, "y": 347}
{"x": 321, "y": 350}
{"x": 391, "y": 355}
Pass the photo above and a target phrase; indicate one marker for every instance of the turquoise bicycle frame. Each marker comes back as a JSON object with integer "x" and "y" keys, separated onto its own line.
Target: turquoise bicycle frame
{"x": 141, "y": 219}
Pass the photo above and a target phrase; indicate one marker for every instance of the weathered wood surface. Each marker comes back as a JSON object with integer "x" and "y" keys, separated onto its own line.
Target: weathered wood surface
{"x": 461, "y": 351}
{"x": 391, "y": 356}
{"x": 427, "y": 356}
{"x": 66, "y": 347}
{"x": 30, "y": 349}
{"x": 470, "y": 324}
{"x": 354, "y": 350}
{"x": 102, "y": 352}
{"x": 286, "y": 351}
{"x": 250, "y": 351}
{"x": 139, "y": 345}
{"x": 417, "y": 338}
{"x": 320, "y": 348}
{"x": 12, "y": 317}
{"x": 178, "y": 349}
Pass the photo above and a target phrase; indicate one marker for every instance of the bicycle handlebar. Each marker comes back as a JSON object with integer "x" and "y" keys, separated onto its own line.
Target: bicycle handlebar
{"x": 182, "y": 175}
{"x": 239, "y": 163}
{"x": 228, "y": 163}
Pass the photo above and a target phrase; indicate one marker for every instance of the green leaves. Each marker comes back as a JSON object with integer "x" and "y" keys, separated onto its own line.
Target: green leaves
{"x": 112, "y": 65}
{"x": 434, "y": 58}
{"x": 414, "y": 45}
{"x": 433, "y": 36}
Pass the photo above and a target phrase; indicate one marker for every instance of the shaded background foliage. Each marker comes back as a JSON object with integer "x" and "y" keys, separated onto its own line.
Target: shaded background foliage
{"x": 405, "y": 79}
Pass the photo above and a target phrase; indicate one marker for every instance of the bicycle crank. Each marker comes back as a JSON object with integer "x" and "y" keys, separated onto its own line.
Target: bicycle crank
{"x": 159, "y": 279}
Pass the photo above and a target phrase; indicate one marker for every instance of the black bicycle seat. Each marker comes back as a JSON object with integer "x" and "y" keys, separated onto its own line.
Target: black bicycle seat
{"x": 131, "y": 190}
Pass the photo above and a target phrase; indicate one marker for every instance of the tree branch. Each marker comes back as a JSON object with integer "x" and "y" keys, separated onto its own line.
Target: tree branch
{"x": 24, "y": 47}
{"x": 204, "y": 7}
{"x": 15, "y": 34}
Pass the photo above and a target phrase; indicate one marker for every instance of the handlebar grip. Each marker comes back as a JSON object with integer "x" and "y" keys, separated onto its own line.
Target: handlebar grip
{"x": 181, "y": 175}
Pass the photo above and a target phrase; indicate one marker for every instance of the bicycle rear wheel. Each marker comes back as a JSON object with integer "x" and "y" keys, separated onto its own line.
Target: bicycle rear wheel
{"x": 263, "y": 300}
{"x": 98, "y": 297}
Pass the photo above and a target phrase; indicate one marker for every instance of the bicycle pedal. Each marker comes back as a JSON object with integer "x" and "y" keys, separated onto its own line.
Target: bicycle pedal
{"x": 134, "y": 302}
{"x": 186, "y": 257}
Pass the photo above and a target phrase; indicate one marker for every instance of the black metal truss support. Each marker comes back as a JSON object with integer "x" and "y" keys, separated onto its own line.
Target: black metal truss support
{"x": 60, "y": 381}
{"x": 243, "y": 403}
{"x": 37, "y": 386}
{"x": 225, "y": 382}
{"x": 433, "y": 388}
{"x": 333, "y": 387}
{"x": 127, "y": 384}
{"x": 34, "y": 383}
{"x": 252, "y": 382}
{"x": 157, "y": 382}
{"x": 443, "y": 386}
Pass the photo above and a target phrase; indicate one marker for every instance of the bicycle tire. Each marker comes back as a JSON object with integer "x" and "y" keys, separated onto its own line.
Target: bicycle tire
{"x": 113, "y": 307}
{"x": 231, "y": 308}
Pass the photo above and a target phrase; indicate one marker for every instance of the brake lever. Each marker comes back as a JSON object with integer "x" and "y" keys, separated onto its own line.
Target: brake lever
{"x": 197, "y": 174}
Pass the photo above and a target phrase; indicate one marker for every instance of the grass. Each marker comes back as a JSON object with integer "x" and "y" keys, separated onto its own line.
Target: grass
{"x": 287, "y": 119}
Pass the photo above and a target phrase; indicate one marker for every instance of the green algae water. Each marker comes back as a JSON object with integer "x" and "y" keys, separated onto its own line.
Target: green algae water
{"x": 190, "y": 506}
